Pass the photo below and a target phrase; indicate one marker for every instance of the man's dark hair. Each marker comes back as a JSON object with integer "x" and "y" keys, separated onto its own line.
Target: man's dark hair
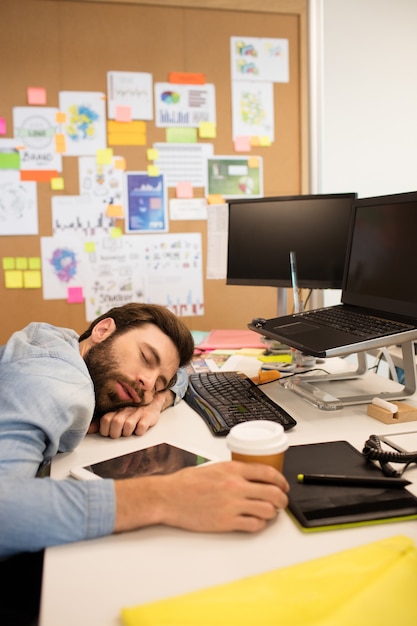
{"x": 136, "y": 314}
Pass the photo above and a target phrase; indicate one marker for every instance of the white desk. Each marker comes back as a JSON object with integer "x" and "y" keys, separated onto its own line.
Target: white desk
{"x": 89, "y": 582}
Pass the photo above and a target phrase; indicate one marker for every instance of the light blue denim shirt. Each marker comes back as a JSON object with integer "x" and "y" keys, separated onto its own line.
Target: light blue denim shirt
{"x": 46, "y": 405}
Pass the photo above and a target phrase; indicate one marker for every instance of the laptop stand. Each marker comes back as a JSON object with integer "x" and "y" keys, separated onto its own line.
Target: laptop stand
{"x": 324, "y": 400}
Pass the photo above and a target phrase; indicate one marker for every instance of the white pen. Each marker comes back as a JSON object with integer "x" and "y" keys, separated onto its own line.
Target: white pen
{"x": 383, "y": 404}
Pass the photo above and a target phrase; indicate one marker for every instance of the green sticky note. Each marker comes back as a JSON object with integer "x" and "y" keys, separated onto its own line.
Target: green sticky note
{"x": 9, "y": 160}
{"x": 9, "y": 263}
{"x": 34, "y": 263}
{"x": 21, "y": 263}
{"x": 181, "y": 135}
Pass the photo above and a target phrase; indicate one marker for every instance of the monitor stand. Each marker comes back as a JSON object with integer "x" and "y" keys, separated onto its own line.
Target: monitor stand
{"x": 282, "y": 301}
{"x": 316, "y": 300}
{"x": 324, "y": 400}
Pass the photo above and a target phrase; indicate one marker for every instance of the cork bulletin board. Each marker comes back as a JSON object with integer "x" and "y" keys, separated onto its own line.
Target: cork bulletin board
{"x": 68, "y": 45}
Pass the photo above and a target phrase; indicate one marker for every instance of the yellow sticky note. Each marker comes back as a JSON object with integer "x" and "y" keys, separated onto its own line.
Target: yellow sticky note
{"x": 152, "y": 154}
{"x": 250, "y": 351}
{"x": 13, "y": 279}
{"x": 215, "y": 199}
{"x": 60, "y": 143}
{"x": 207, "y": 130}
{"x": 276, "y": 358}
{"x": 104, "y": 156}
{"x": 8, "y": 263}
{"x": 153, "y": 170}
{"x": 34, "y": 263}
{"x": 21, "y": 263}
{"x": 57, "y": 184}
{"x": 264, "y": 140}
{"x": 120, "y": 163}
{"x": 90, "y": 246}
{"x": 253, "y": 162}
{"x": 115, "y": 232}
{"x": 60, "y": 117}
{"x": 32, "y": 279}
{"x": 114, "y": 210}
{"x": 126, "y": 139}
{"x": 126, "y": 133}
{"x": 255, "y": 141}
{"x": 138, "y": 126}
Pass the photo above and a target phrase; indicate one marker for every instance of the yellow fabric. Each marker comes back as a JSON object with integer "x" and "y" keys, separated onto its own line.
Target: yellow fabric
{"x": 372, "y": 585}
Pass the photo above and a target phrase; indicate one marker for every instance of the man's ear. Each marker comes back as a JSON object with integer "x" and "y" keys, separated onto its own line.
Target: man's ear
{"x": 103, "y": 329}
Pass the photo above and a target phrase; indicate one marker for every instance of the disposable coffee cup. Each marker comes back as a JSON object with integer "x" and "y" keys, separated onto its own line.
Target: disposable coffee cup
{"x": 258, "y": 441}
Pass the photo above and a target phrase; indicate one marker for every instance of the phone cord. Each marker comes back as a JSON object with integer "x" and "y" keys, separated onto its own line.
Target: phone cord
{"x": 373, "y": 451}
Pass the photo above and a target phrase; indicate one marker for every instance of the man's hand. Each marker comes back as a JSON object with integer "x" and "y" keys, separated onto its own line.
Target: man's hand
{"x": 217, "y": 497}
{"x": 134, "y": 420}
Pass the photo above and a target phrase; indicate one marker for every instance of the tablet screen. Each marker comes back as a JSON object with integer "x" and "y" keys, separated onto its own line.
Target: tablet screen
{"x": 163, "y": 458}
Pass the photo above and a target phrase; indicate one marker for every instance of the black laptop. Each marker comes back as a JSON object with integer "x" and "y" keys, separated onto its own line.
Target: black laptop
{"x": 379, "y": 295}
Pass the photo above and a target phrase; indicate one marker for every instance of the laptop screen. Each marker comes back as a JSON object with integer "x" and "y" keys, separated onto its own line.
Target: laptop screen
{"x": 381, "y": 267}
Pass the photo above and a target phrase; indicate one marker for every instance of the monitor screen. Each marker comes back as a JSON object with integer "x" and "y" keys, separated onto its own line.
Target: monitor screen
{"x": 263, "y": 232}
{"x": 382, "y": 264}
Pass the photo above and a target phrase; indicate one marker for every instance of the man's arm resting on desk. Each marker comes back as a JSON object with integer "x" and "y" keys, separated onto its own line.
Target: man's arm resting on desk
{"x": 217, "y": 497}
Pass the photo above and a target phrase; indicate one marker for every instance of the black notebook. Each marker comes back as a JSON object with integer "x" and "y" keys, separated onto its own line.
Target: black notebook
{"x": 321, "y": 507}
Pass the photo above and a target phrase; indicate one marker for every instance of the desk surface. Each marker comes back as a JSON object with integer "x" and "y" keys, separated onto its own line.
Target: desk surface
{"x": 89, "y": 582}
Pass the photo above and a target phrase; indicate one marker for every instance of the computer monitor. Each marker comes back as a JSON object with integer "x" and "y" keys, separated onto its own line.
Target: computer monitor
{"x": 263, "y": 232}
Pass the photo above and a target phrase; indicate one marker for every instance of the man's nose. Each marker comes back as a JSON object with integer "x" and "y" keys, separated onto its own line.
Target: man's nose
{"x": 147, "y": 382}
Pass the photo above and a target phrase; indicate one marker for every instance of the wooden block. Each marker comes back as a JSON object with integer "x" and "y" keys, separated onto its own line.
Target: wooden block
{"x": 405, "y": 413}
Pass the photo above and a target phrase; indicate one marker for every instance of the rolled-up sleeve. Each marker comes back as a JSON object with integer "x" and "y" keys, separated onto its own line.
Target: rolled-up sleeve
{"x": 181, "y": 384}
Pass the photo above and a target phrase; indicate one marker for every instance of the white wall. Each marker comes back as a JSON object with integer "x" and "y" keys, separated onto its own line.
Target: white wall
{"x": 364, "y": 96}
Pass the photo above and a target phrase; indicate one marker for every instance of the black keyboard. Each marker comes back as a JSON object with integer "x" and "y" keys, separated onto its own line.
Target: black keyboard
{"x": 224, "y": 399}
{"x": 360, "y": 324}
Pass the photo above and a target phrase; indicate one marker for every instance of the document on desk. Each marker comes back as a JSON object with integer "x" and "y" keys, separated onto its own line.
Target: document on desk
{"x": 375, "y": 581}
{"x": 324, "y": 506}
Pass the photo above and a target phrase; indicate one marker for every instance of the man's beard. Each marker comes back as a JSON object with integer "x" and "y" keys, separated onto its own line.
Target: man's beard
{"x": 104, "y": 371}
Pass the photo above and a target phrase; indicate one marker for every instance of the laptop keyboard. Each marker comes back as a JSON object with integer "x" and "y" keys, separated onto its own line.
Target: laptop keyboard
{"x": 359, "y": 324}
{"x": 224, "y": 399}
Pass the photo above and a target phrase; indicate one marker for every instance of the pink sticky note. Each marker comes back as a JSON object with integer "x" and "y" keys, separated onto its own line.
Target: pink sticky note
{"x": 75, "y": 294}
{"x": 36, "y": 95}
{"x": 123, "y": 114}
{"x": 2, "y": 126}
{"x": 242, "y": 144}
{"x": 184, "y": 190}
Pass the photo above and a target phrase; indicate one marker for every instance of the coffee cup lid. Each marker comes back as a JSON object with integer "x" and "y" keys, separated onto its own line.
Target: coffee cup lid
{"x": 258, "y": 437}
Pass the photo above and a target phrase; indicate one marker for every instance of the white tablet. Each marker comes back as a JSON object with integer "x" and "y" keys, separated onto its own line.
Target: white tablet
{"x": 402, "y": 442}
{"x": 163, "y": 458}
